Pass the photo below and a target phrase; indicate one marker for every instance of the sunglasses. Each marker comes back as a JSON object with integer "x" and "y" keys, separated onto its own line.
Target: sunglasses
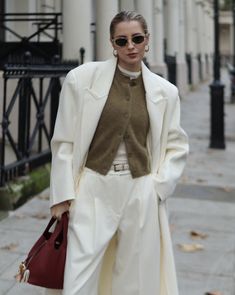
{"x": 122, "y": 41}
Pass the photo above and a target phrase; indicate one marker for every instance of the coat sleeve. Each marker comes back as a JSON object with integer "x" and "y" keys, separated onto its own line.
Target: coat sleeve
{"x": 62, "y": 143}
{"x": 175, "y": 154}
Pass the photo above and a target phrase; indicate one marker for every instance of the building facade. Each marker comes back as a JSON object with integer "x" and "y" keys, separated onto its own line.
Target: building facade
{"x": 181, "y": 32}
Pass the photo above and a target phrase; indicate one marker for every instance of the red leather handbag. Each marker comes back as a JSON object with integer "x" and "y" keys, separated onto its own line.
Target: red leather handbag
{"x": 44, "y": 265}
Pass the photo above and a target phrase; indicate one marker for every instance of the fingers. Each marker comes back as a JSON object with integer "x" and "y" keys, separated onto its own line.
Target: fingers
{"x": 58, "y": 209}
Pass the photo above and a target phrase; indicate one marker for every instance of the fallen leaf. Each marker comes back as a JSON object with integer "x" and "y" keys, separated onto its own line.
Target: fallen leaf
{"x": 184, "y": 178}
{"x": 191, "y": 247}
{"x": 43, "y": 197}
{"x": 220, "y": 174}
{"x": 213, "y": 293}
{"x": 40, "y": 216}
{"x": 20, "y": 216}
{"x": 10, "y": 247}
{"x": 227, "y": 189}
{"x": 198, "y": 235}
{"x": 201, "y": 180}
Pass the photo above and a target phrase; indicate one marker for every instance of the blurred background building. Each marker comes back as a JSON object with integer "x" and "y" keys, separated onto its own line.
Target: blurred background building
{"x": 181, "y": 32}
{"x": 41, "y": 40}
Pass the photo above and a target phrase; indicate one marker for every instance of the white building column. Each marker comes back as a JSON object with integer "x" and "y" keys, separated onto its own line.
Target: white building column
{"x": 173, "y": 27}
{"x": 105, "y": 11}
{"x": 127, "y": 5}
{"x": 176, "y": 40}
{"x": 207, "y": 37}
{"x": 231, "y": 37}
{"x": 201, "y": 36}
{"x": 212, "y": 41}
{"x": 77, "y": 29}
{"x": 146, "y": 9}
{"x": 195, "y": 65}
{"x": 21, "y": 28}
{"x": 158, "y": 39}
{"x": 182, "y": 70}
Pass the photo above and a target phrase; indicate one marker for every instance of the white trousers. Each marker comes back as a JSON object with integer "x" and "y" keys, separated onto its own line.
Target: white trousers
{"x": 105, "y": 205}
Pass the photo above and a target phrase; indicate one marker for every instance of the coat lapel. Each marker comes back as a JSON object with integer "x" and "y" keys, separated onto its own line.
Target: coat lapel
{"x": 156, "y": 103}
{"x": 94, "y": 100}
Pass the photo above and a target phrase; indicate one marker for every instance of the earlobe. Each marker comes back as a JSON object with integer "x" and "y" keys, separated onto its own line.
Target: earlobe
{"x": 146, "y": 48}
{"x": 114, "y": 52}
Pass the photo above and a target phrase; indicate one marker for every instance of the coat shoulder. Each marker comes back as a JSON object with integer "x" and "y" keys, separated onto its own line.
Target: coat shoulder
{"x": 86, "y": 73}
{"x": 87, "y": 68}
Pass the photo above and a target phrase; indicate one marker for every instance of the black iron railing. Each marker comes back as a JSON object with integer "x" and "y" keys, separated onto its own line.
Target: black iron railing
{"x": 170, "y": 61}
{"x": 188, "y": 59}
{"x": 43, "y": 24}
{"x": 35, "y": 94}
{"x": 199, "y": 58}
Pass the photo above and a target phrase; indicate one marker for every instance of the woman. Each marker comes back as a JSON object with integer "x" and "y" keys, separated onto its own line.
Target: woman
{"x": 117, "y": 153}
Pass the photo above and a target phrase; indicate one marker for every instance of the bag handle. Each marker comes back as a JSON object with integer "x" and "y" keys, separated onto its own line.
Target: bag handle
{"x": 61, "y": 227}
{"x": 51, "y": 222}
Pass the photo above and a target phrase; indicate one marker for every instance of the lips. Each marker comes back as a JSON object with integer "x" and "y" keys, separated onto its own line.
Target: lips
{"x": 132, "y": 55}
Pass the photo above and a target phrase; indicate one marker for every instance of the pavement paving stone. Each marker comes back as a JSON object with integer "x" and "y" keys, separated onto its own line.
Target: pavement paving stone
{"x": 204, "y": 165}
{"x": 7, "y": 259}
{"x": 212, "y": 268}
{"x": 216, "y": 263}
{"x": 202, "y": 206}
{"x": 214, "y": 241}
{"x": 205, "y": 192}
{"x": 191, "y": 283}
{"x": 25, "y": 289}
{"x": 5, "y": 286}
{"x": 10, "y": 272}
{"x": 200, "y": 221}
{"x": 18, "y": 240}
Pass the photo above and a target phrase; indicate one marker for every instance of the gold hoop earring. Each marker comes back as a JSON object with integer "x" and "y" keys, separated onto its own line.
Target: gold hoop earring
{"x": 115, "y": 53}
{"x": 146, "y": 48}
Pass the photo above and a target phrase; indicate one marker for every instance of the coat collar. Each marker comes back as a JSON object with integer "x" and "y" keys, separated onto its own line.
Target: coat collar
{"x": 104, "y": 76}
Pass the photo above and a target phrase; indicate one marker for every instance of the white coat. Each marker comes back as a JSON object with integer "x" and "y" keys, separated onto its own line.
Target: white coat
{"x": 82, "y": 99}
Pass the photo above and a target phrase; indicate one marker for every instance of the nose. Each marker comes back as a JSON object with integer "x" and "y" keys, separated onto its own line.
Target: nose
{"x": 130, "y": 44}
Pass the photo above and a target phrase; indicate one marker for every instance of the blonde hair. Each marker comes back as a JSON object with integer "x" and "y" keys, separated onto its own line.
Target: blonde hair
{"x": 125, "y": 16}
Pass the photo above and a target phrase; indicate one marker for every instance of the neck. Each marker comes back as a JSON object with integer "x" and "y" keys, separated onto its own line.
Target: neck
{"x": 131, "y": 68}
{"x": 130, "y": 74}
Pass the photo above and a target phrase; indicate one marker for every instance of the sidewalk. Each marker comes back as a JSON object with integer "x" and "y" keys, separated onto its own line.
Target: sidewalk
{"x": 204, "y": 201}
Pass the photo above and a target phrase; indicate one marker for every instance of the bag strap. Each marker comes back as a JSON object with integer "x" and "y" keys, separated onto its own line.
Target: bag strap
{"x": 61, "y": 226}
{"x": 51, "y": 222}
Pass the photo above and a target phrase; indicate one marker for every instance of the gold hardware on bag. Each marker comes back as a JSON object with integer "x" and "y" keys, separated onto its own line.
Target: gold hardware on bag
{"x": 23, "y": 273}
{"x": 26, "y": 276}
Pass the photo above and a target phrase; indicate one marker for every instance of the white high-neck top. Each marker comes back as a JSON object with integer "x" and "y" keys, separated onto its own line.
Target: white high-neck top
{"x": 132, "y": 75}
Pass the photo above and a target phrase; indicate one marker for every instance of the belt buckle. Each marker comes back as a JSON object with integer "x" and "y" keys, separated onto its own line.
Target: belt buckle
{"x": 117, "y": 167}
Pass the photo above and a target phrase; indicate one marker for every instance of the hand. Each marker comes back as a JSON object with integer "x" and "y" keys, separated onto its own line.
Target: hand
{"x": 58, "y": 209}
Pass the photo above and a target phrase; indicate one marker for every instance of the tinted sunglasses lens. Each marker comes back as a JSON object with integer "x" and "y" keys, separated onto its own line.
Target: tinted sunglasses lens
{"x": 121, "y": 42}
{"x": 138, "y": 39}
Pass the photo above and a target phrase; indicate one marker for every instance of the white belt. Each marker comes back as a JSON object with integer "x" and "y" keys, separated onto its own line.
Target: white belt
{"x": 120, "y": 167}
